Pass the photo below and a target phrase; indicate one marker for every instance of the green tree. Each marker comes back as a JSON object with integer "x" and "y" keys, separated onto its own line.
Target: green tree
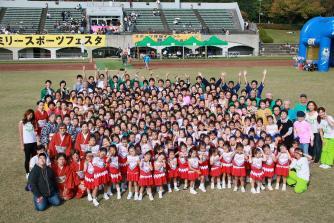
{"x": 294, "y": 11}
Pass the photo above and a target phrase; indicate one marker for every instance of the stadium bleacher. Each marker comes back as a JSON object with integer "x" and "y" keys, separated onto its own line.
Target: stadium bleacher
{"x": 186, "y": 18}
{"x": 146, "y": 22}
{"x": 23, "y": 20}
{"x": 217, "y": 19}
{"x": 56, "y": 16}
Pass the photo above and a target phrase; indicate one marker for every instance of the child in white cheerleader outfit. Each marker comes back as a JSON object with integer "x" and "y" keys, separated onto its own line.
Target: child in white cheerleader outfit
{"x": 101, "y": 176}
{"x": 268, "y": 166}
{"x": 238, "y": 168}
{"x": 145, "y": 177}
{"x": 115, "y": 175}
{"x": 226, "y": 161}
{"x": 256, "y": 173}
{"x": 172, "y": 171}
{"x": 132, "y": 172}
{"x": 89, "y": 175}
{"x": 159, "y": 175}
{"x": 183, "y": 165}
{"x": 215, "y": 171}
{"x": 194, "y": 171}
{"x": 282, "y": 166}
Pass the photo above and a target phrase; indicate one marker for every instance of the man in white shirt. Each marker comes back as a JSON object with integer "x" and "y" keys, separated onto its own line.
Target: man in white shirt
{"x": 301, "y": 176}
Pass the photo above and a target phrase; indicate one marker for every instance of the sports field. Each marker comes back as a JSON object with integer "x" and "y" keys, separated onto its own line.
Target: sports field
{"x": 20, "y": 90}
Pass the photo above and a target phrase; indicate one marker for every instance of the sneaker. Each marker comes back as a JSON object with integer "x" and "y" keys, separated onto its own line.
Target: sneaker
{"x": 277, "y": 187}
{"x": 284, "y": 187}
{"x": 119, "y": 195}
{"x": 129, "y": 195}
{"x": 322, "y": 165}
{"x": 169, "y": 189}
{"x": 27, "y": 187}
{"x": 136, "y": 197}
{"x": 89, "y": 197}
{"x": 140, "y": 197}
{"x": 27, "y": 176}
{"x": 219, "y": 186}
{"x": 258, "y": 190}
{"x": 229, "y": 186}
{"x": 192, "y": 191}
{"x": 263, "y": 187}
{"x": 223, "y": 185}
{"x": 202, "y": 188}
{"x": 160, "y": 194}
{"x": 212, "y": 186}
{"x": 185, "y": 187}
{"x": 95, "y": 202}
{"x": 235, "y": 189}
{"x": 327, "y": 167}
{"x": 105, "y": 196}
{"x": 243, "y": 190}
{"x": 150, "y": 196}
{"x": 253, "y": 191}
{"x": 176, "y": 189}
{"x": 270, "y": 188}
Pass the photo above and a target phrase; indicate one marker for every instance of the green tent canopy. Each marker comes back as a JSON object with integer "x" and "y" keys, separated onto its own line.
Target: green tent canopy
{"x": 215, "y": 41}
{"x": 192, "y": 41}
{"x": 170, "y": 41}
{"x": 146, "y": 42}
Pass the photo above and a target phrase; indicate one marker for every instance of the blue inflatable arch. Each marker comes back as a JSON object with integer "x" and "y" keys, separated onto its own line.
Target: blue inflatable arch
{"x": 319, "y": 31}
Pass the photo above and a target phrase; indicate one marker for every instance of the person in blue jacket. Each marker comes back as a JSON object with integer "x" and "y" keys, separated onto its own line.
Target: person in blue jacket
{"x": 147, "y": 60}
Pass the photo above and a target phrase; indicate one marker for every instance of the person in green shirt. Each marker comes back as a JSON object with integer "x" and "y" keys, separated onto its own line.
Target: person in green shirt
{"x": 302, "y": 105}
{"x": 47, "y": 90}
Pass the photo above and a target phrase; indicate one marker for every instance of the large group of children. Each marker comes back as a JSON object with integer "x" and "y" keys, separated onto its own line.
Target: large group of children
{"x": 127, "y": 133}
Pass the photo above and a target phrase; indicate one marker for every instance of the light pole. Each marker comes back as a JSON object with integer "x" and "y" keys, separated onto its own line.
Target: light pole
{"x": 260, "y": 11}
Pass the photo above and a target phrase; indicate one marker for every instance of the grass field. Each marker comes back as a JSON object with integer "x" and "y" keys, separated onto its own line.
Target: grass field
{"x": 282, "y": 36}
{"x": 20, "y": 90}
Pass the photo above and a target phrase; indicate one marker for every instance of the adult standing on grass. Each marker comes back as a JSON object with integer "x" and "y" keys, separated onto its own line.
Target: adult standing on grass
{"x": 43, "y": 185}
{"x": 285, "y": 128}
{"x": 311, "y": 117}
{"x": 28, "y": 141}
{"x": 326, "y": 126}
{"x": 299, "y": 175}
{"x": 47, "y": 90}
{"x": 147, "y": 60}
{"x": 253, "y": 86}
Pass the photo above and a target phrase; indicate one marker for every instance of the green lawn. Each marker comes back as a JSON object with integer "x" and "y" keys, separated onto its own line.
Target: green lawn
{"x": 20, "y": 91}
{"x": 282, "y": 36}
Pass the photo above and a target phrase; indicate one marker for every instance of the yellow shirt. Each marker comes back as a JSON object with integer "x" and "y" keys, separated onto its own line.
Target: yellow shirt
{"x": 263, "y": 113}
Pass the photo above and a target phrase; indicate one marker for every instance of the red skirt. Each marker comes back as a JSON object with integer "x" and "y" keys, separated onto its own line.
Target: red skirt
{"x": 238, "y": 171}
{"x": 204, "y": 169}
{"x": 159, "y": 178}
{"x": 133, "y": 175}
{"x": 123, "y": 167}
{"x": 268, "y": 170}
{"x": 89, "y": 181}
{"x": 282, "y": 170}
{"x": 183, "y": 171}
{"x": 145, "y": 179}
{"x": 115, "y": 175}
{"x": 101, "y": 176}
{"x": 256, "y": 174}
{"x": 193, "y": 175}
{"x": 227, "y": 168}
{"x": 172, "y": 173}
{"x": 215, "y": 171}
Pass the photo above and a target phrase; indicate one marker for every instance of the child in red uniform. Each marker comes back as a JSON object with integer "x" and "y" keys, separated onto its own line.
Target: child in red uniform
{"x": 256, "y": 174}
{"x": 203, "y": 155}
{"x": 194, "y": 171}
{"x": 159, "y": 175}
{"x": 82, "y": 140}
{"x": 238, "y": 168}
{"x": 215, "y": 171}
{"x": 41, "y": 117}
{"x": 114, "y": 173}
{"x": 183, "y": 165}
{"x": 283, "y": 159}
{"x": 61, "y": 142}
{"x": 64, "y": 177}
{"x": 226, "y": 160}
{"x": 145, "y": 177}
{"x": 101, "y": 176}
{"x": 172, "y": 171}
{"x": 77, "y": 167}
{"x": 89, "y": 175}
{"x": 132, "y": 172}
{"x": 268, "y": 165}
